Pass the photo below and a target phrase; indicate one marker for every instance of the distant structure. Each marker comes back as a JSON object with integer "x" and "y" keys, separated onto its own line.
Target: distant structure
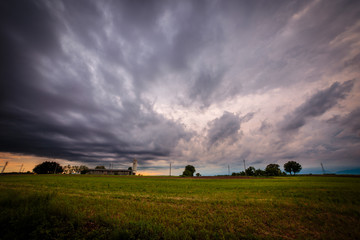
{"x": 110, "y": 171}
{"x": 134, "y": 168}
{"x": 130, "y": 171}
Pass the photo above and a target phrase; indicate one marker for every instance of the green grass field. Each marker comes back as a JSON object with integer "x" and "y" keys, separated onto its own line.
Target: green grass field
{"x": 114, "y": 207}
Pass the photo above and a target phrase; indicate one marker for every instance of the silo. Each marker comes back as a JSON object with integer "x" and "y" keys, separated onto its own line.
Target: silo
{"x": 134, "y": 168}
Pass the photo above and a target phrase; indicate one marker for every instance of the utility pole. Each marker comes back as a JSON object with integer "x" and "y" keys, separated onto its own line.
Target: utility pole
{"x": 170, "y": 169}
{"x": 229, "y": 170}
{"x": 21, "y": 167}
{"x": 323, "y": 170}
{"x": 2, "y": 171}
{"x": 244, "y": 167}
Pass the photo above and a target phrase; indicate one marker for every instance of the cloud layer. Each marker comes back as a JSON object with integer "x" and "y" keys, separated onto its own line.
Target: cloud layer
{"x": 202, "y": 82}
{"x": 317, "y": 105}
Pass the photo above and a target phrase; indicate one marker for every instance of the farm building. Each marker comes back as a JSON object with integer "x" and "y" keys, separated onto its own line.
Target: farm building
{"x": 115, "y": 171}
{"x": 110, "y": 171}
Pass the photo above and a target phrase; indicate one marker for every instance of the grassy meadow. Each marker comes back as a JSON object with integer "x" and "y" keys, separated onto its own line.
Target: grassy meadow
{"x": 131, "y": 207}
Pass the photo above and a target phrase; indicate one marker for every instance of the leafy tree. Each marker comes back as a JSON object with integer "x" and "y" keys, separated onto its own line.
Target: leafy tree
{"x": 259, "y": 172}
{"x": 190, "y": 168}
{"x": 186, "y": 173}
{"x": 84, "y": 169}
{"x": 250, "y": 171}
{"x": 273, "y": 170}
{"x": 189, "y": 171}
{"x": 198, "y": 175}
{"x": 242, "y": 173}
{"x": 100, "y": 167}
{"x": 66, "y": 169}
{"x": 292, "y": 166}
{"x": 48, "y": 168}
{"x": 76, "y": 169}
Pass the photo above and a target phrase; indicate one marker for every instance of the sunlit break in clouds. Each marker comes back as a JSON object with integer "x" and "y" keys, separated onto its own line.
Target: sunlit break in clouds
{"x": 206, "y": 83}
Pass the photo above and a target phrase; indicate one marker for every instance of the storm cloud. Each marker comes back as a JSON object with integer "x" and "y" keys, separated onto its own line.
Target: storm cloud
{"x": 60, "y": 99}
{"x": 348, "y": 125}
{"x": 225, "y": 127}
{"x": 317, "y": 105}
{"x": 96, "y": 82}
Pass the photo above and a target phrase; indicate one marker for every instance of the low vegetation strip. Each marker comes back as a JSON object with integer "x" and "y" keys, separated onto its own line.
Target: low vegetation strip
{"x": 93, "y": 207}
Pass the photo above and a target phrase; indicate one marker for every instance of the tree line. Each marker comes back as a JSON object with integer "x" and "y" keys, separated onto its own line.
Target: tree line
{"x": 48, "y": 167}
{"x": 272, "y": 169}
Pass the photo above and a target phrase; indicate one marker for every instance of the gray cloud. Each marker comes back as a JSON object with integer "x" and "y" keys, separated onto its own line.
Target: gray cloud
{"x": 265, "y": 126}
{"x": 226, "y": 128}
{"x": 316, "y": 105}
{"x": 223, "y": 128}
{"x": 348, "y": 126}
{"x": 205, "y": 86}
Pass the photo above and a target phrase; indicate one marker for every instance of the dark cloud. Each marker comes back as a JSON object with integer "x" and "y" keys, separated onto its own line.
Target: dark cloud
{"x": 26, "y": 32}
{"x": 53, "y": 104}
{"x": 349, "y": 125}
{"x": 316, "y": 105}
{"x": 226, "y": 128}
{"x": 205, "y": 86}
{"x": 96, "y": 136}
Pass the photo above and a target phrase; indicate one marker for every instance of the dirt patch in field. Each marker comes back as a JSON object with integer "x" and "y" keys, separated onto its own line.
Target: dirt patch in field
{"x": 228, "y": 177}
{"x": 206, "y": 177}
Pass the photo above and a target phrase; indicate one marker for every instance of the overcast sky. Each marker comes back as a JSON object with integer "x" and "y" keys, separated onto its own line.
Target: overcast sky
{"x": 206, "y": 83}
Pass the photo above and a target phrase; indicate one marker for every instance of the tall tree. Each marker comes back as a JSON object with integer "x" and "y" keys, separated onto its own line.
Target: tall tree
{"x": 84, "y": 169}
{"x": 189, "y": 171}
{"x": 292, "y": 166}
{"x": 273, "y": 170}
{"x": 48, "y": 168}
{"x": 250, "y": 171}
